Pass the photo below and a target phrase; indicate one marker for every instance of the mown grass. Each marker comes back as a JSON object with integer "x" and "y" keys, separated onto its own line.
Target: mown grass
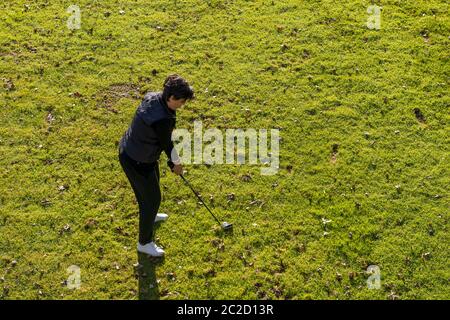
{"x": 354, "y": 149}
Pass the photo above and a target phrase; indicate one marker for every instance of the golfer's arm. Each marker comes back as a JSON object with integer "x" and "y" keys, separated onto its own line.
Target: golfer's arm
{"x": 164, "y": 133}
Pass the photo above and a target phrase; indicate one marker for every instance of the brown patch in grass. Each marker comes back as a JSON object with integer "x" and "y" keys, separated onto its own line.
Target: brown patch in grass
{"x": 334, "y": 153}
{"x": 419, "y": 115}
{"x": 109, "y": 97}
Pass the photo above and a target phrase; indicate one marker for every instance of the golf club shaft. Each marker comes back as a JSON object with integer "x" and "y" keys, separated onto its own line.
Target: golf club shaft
{"x": 187, "y": 182}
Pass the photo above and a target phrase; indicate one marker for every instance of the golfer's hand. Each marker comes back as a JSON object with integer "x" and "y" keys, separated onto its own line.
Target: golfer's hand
{"x": 177, "y": 169}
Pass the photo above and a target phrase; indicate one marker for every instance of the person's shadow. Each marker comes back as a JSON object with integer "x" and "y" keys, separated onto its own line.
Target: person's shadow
{"x": 146, "y": 272}
{"x": 148, "y": 284}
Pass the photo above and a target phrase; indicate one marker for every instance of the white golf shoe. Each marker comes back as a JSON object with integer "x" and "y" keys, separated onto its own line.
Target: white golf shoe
{"x": 161, "y": 217}
{"x": 151, "y": 249}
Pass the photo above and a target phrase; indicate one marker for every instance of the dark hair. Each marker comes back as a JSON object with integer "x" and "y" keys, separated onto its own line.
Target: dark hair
{"x": 176, "y": 86}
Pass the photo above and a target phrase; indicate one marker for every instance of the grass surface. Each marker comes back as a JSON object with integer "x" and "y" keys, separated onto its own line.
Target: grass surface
{"x": 364, "y": 120}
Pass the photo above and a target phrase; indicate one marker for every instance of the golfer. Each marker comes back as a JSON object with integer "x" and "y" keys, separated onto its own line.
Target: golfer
{"x": 150, "y": 133}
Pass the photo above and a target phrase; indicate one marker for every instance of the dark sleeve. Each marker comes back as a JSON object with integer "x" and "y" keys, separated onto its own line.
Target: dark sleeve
{"x": 163, "y": 130}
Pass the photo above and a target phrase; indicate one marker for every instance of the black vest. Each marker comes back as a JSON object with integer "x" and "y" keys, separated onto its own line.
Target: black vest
{"x": 140, "y": 141}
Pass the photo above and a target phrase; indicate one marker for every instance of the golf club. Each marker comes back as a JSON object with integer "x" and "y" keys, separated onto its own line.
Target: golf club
{"x": 224, "y": 225}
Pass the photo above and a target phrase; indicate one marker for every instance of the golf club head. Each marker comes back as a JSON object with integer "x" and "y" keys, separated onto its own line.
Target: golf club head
{"x": 227, "y": 226}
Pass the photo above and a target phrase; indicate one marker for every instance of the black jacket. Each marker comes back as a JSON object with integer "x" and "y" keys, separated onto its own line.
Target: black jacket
{"x": 150, "y": 131}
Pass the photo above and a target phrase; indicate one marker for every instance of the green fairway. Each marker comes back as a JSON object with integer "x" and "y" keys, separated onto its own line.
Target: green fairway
{"x": 363, "y": 115}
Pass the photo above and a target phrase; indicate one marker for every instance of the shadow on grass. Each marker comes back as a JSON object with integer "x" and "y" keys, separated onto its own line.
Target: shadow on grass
{"x": 148, "y": 285}
{"x": 146, "y": 271}
{"x": 219, "y": 232}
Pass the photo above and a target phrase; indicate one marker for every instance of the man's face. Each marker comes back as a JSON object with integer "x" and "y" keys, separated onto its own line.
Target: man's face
{"x": 174, "y": 104}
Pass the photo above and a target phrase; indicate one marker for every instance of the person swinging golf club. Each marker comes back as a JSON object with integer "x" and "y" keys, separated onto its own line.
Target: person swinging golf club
{"x": 140, "y": 147}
